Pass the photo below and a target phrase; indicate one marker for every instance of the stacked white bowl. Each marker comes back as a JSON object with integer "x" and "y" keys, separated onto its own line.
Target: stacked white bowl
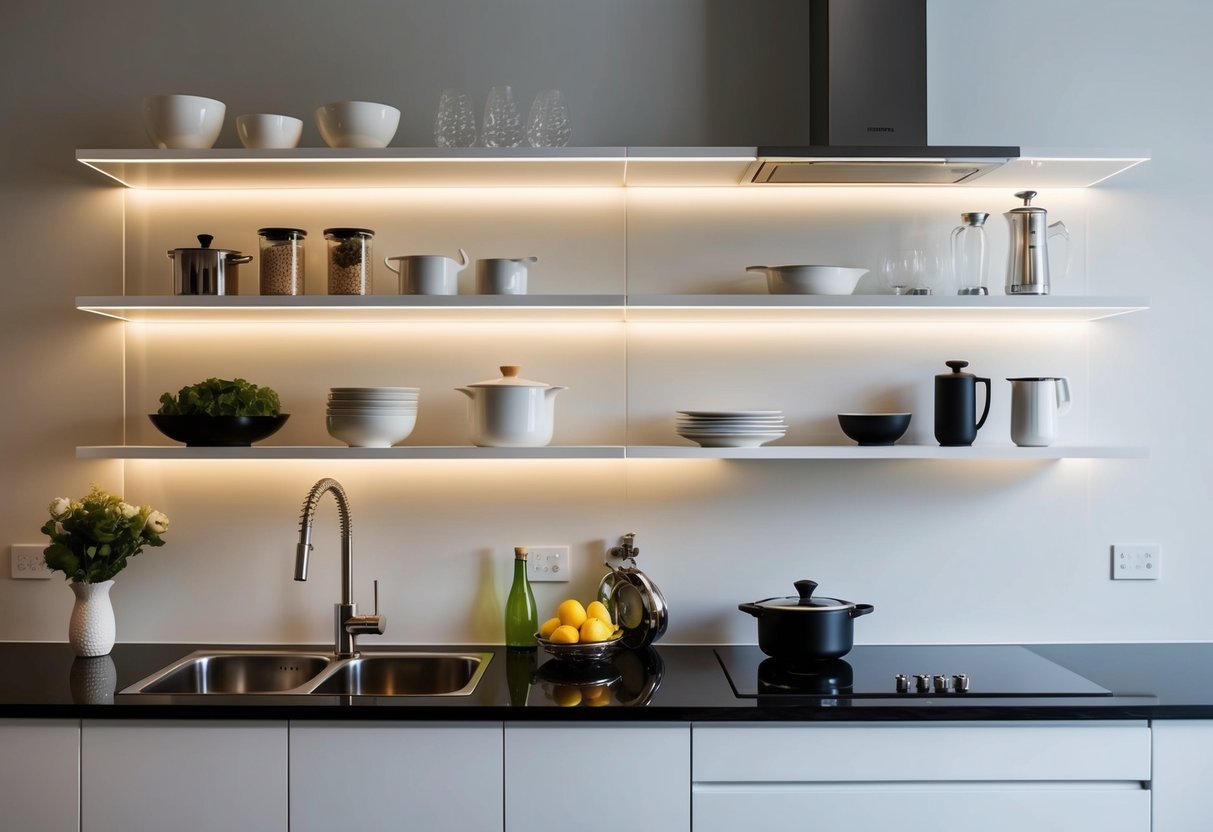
{"x": 372, "y": 417}
{"x": 731, "y": 428}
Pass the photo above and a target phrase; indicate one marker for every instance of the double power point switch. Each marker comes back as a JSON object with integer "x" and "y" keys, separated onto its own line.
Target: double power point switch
{"x": 1139, "y": 562}
{"x": 28, "y": 562}
{"x": 548, "y": 563}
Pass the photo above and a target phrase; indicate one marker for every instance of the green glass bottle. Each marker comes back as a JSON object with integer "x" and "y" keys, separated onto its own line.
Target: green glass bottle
{"x": 521, "y": 615}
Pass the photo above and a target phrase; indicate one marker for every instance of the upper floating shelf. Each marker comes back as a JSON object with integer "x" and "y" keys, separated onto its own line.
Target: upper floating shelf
{"x": 673, "y": 308}
{"x": 527, "y": 167}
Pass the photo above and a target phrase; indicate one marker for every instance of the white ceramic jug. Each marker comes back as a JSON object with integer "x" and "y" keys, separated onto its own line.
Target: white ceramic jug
{"x": 1035, "y": 405}
{"x": 428, "y": 274}
{"x": 502, "y": 275}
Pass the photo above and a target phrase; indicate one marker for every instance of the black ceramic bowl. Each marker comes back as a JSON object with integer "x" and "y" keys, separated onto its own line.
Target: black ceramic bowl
{"x": 874, "y": 428}
{"x": 218, "y": 431}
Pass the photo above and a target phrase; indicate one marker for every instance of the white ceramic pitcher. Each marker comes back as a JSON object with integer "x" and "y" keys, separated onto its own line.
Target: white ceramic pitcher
{"x": 1035, "y": 405}
{"x": 428, "y": 274}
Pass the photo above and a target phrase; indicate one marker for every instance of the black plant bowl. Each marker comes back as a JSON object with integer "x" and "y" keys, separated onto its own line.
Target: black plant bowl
{"x": 218, "y": 431}
{"x": 874, "y": 428}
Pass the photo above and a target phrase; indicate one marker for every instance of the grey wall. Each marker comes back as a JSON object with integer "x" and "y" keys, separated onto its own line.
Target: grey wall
{"x": 987, "y": 553}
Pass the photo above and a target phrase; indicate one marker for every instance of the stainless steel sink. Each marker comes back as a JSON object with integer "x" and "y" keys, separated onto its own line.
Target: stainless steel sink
{"x": 316, "y": 672}
{"x": 417, "y": 674}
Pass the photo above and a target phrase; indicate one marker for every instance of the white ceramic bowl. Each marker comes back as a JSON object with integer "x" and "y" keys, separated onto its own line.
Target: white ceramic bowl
{"x": 357, "y": 124}
{"x": 360, "y": 407}
{"x": 183, "y": 121}
{"x": 810, "y": 280}
{"x": 265, "y": 130}
{"x": 379, "y": 430}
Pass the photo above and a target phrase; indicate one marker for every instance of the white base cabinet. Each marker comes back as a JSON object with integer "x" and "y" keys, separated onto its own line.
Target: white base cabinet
{"x": 40, "y": 774}
{"x": 597, "y": 778}
{"x": 188, "y": 776}
{"x": 997, "y": 777}
{"x": 1183, "y": 773}
{"x": 399, "y": 776}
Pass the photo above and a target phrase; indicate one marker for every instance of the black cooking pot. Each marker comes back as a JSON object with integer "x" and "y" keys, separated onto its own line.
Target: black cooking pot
{"x": 805, "y": 628}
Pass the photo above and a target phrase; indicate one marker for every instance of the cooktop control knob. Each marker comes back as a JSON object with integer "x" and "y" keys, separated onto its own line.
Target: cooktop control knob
{"x": 922, "y": 682}
{"x": 942, "y": 683}
{"x": 903, "y": 683}
{"x": 960, "y": 683}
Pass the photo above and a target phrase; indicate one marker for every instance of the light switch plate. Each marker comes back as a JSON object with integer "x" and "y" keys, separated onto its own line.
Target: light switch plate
{"x": 548, "y": 563}
{"x": 1136, "y": 562}
{"x": 28, "y": 562}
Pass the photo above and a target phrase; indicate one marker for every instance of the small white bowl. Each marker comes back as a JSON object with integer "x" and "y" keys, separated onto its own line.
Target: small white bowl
{"x": 810, "y": 280}
{"x": 372, "y": 431}
{"x": 183, "y": 121}
{"x": 265, "y": 130}
{"x": 357, "y": 124}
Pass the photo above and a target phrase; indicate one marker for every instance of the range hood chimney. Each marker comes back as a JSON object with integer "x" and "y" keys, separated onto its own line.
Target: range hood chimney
{"x": 868, "y": 104}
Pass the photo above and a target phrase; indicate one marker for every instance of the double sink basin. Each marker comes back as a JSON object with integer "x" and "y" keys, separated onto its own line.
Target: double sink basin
{"x": 314, "y": 672}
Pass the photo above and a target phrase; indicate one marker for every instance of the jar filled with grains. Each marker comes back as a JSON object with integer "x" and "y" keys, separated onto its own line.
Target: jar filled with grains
{"x": 281, "y": 260}
{"x": 349, "y": 260}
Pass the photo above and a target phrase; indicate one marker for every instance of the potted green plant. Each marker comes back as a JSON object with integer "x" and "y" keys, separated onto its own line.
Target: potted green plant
{"x": 91, "y": 541}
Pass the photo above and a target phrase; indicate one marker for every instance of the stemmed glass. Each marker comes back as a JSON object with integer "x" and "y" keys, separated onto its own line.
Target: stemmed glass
{"x": 455, "y": 124}
{"x": 548, "y": 124}
{"x": 502, "y": 124}
{"x": 904, "y": 270}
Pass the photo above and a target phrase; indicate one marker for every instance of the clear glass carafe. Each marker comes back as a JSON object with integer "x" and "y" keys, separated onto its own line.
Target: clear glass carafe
{"x": 970, "y": 255}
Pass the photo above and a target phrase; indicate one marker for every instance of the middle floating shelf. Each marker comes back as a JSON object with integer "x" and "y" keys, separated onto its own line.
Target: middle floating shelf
{"x": 452, "y": 452}
{"x": 654, "y": 308}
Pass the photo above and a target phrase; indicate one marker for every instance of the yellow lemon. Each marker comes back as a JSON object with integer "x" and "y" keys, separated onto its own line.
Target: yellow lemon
{"x": 565, "y": 634}
{"x": 595, "y": 629}
{"x": 571, "y": 612}
{"x": 566, "y": 696}
{"x": 549, "y": 627}
{"x": 595, "y": 696}
{"x": 598, "y": 610}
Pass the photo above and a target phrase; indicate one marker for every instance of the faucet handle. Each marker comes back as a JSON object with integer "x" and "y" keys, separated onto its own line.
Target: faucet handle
{"x": 375, "y": 585}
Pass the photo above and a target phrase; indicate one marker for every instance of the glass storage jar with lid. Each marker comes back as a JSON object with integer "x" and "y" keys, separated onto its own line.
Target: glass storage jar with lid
{"x": 281, "y": 265}
{"x": 349, "y": 260}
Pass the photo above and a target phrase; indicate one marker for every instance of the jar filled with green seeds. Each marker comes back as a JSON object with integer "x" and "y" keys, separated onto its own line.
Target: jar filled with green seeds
{"x": 349, "y": 260}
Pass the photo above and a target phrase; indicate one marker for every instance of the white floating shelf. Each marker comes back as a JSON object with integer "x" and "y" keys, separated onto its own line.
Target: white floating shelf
{"x": 656, "y": 308}
{"x": 974, "y": 453}
{"x": 452, "y": 452}
{"x": 354, "y": 308}
{"x": 527, "y": 167}
{"x": 338, "y": 452}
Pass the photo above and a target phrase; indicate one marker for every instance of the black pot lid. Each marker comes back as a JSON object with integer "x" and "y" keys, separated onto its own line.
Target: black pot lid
{"x": 806, "y": 601}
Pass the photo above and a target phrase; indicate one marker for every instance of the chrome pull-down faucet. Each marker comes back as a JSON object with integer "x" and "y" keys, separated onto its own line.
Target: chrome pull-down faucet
{"x": 348, "y": 624}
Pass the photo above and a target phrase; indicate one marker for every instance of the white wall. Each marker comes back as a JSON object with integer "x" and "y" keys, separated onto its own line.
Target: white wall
{"x": 946, "y": 552}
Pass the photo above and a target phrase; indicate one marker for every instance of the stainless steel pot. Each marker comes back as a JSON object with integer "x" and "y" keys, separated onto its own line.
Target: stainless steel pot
{"x": 206, "y": 270}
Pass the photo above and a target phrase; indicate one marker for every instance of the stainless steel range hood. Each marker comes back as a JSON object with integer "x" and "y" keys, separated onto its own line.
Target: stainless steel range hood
{"x": 868, "y": 105}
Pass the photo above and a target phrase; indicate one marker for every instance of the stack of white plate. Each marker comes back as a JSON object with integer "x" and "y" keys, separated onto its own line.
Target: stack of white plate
{"x": 372, "y": 417}
{"x": 731, "y": 428}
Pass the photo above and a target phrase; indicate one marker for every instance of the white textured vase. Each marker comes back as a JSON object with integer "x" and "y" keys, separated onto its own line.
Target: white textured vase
{"x": 92, "y": 629}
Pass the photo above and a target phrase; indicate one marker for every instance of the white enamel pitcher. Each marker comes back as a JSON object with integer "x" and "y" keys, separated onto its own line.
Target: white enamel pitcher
{"x": 1036, "y": 404}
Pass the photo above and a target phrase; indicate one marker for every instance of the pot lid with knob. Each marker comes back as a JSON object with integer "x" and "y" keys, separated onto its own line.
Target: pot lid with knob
{"x": 805, "y": 601}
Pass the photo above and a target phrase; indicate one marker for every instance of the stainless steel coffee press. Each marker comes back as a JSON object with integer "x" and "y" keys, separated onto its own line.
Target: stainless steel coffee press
{"x": 1028, "y": 264}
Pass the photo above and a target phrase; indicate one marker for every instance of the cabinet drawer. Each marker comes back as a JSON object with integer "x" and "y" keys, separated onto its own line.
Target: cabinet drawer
{"x": 922, "y": 808}
{"x": 841, "y": 752}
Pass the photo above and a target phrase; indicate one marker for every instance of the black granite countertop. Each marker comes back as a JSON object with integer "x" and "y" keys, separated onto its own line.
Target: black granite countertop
{"x": 663, "y": 683}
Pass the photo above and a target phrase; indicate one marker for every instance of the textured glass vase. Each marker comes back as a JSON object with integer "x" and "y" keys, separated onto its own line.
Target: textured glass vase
{"x": 92, "y": 630}
{"x": 502, "y": 124}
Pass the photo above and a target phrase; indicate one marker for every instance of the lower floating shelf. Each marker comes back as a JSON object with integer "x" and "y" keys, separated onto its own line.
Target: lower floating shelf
{"x": 451, "y": 452}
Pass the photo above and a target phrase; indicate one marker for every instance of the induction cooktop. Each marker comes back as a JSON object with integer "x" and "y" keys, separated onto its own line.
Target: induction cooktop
{"x": 906, "y": 672}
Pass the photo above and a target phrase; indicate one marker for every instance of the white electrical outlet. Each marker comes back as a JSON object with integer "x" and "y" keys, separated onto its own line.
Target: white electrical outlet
{"x": 548, "y": 563}
{"x": 28, "y": 562}
{"x": 1141, "y": 562}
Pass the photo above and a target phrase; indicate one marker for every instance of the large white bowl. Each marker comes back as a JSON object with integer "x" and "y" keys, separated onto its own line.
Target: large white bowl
{"x": 810, "y": 280}
{"x": 257, "y": 130}
{"x": 183, "y": 121}
{"x": 357, "y": 124}
{"x": 380, "y": 430}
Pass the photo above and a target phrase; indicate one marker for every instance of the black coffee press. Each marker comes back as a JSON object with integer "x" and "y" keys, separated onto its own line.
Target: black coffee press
{"x": 956, "y": 422}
